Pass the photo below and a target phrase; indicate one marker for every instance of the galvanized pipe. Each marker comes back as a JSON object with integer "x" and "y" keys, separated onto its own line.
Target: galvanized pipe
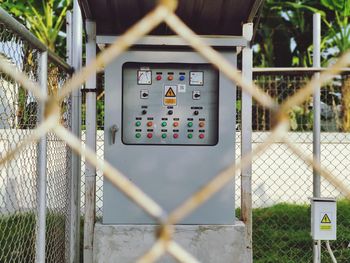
{"x": 90, "y": 174}
{"x": 246, "y": 143}
{"x": 41, "y": 168}
{"x": 76, "y": 57}
{"x": 317, "y": 104}
{"x": 317, "y": 120}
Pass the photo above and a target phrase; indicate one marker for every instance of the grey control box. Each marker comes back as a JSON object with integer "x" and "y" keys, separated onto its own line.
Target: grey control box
{"x": 168, "y": 86}
{"x": 170, "y": 104}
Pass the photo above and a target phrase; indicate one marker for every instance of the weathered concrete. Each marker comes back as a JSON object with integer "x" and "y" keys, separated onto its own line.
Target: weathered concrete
{"x": 208, "y": 243}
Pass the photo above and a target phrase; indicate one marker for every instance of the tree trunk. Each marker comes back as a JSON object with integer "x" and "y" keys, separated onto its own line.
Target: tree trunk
{"x": 346, "y": 103}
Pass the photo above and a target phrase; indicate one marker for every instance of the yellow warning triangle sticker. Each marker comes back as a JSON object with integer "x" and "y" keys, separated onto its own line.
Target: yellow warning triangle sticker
{"x": 170, "y": 93}
{"x": 325, "y": 219}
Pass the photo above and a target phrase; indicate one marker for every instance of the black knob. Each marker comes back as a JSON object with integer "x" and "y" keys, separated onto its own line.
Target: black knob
{"x": 170, "y": 112}
{"x": 144, "y": 95}
{"x": 144, "y": 112}
{"x": 197, "y": 95}
{"x": 196, "y": 112}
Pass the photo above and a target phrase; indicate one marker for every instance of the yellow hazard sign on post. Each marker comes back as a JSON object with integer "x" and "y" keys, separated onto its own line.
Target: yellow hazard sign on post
{"x": 170, "y": 98}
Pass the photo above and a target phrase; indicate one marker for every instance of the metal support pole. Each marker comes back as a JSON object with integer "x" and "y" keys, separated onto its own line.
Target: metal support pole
{"x": 317, "y": 102}
{"x": 42, "y": 183}
{"x": 76, "y": 57}
{"x": 317, "y": 120}
{"x": 246, "y": 141}
{"x": 90, "y": 174}
{"x": 69, "y": 40}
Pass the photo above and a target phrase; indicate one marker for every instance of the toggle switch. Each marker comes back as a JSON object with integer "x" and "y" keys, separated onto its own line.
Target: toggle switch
{"x": 196, "y": 95}
{"x": 144, "y": 94}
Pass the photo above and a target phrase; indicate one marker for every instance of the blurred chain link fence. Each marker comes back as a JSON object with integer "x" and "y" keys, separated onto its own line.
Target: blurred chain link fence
{"x": 279, "y": 235}
{"x": 19, "y": 177}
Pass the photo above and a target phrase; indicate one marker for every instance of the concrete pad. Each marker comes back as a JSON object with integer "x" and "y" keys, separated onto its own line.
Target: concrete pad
{"x": 208, "y": 243}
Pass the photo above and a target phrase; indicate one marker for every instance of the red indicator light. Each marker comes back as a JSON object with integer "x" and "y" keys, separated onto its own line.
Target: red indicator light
{"x": 201, "y": 136}
{"x": 159, "y": 77}
{"x": 149, "y": 124}
{"x": 176, "y": 124}
{"x": 175, "y": 136}
{"x": 149, "y": 135}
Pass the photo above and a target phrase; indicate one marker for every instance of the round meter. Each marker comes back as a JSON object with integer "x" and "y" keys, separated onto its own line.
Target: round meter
{"x": 197, "y": 78}
{"x": 144, "y": 77}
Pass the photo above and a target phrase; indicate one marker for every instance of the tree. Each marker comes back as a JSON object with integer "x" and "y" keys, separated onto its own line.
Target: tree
{"x": 45, "y": 19}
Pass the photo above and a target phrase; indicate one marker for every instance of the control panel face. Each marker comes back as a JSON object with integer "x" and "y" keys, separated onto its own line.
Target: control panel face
{"x": 170, "y": 104}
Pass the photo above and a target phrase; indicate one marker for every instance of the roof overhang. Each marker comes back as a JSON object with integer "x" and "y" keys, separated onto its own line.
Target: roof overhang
{"x": 205, "y": 17}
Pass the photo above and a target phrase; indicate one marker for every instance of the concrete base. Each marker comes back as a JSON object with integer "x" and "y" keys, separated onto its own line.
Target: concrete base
{"x": 208, "y": 243}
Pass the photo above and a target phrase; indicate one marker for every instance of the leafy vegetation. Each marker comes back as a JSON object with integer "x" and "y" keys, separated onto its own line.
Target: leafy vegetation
{"x": 45, "y": 19}
{"x": 284, "y": 37}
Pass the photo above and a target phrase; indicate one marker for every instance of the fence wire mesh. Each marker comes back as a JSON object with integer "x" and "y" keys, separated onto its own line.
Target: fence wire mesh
{"x": 19, "y": 177}
{"x": 164, "y": 12}
{"x": 58, "y": 177}
{"x": 283, "y": 183}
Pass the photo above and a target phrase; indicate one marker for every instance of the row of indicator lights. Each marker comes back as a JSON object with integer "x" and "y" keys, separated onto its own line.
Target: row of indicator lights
{"x": 175, "y": 136}
{"x": 170, "y": 77}
{"x": 175, "y": 124}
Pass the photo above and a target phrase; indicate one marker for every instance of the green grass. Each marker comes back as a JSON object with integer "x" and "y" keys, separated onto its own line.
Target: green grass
{"x": 18, "y": 233}
{"x": 281, "y": 233}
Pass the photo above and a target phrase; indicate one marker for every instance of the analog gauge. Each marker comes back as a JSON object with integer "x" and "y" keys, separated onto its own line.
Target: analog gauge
{"x": 197, "y": 78}
{"x": 144, "y": 77}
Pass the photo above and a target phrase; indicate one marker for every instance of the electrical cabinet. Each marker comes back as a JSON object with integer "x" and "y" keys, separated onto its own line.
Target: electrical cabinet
{"x": 170, "y": 121}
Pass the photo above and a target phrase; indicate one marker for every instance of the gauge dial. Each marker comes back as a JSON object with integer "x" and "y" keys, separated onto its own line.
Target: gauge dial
{"x": 197, "y": 78}
{"x": 144, "y": 77}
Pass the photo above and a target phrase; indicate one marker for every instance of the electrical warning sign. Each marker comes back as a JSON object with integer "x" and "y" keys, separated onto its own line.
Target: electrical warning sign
{"x": 326, "y": 223}
{"x": 325, "y": 219}
{"x": 170, "y": 98}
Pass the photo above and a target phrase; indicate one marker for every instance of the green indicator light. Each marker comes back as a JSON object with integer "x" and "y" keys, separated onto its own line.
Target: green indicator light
{"x": 163, "y": 135}
{"x": 189, "y": 136}
{"x": 138, "y": 135}
{"x": 164, "y": 124}
{"x": 138, "y": 123}
{"x": 190, "y": 124}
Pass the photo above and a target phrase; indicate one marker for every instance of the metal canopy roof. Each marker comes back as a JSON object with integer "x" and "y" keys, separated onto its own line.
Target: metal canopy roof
{"x": 205, "y": 17}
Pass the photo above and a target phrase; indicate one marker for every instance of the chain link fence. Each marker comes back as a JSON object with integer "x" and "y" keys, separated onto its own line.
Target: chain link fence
{"x": 19, "y": 187}
{"x": 283, "y": 183}
{"x": 281, "y": 231}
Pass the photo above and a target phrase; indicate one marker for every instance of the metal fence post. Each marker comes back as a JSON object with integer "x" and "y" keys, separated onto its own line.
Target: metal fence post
{"x": 90, "y": 178}
{"x": 317, "y": 103}
{"x": 77, "y": 47}
{"x": 246, "y": 144}
{"x": 317, "y": 120}
{"x": 41, "y": 170}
